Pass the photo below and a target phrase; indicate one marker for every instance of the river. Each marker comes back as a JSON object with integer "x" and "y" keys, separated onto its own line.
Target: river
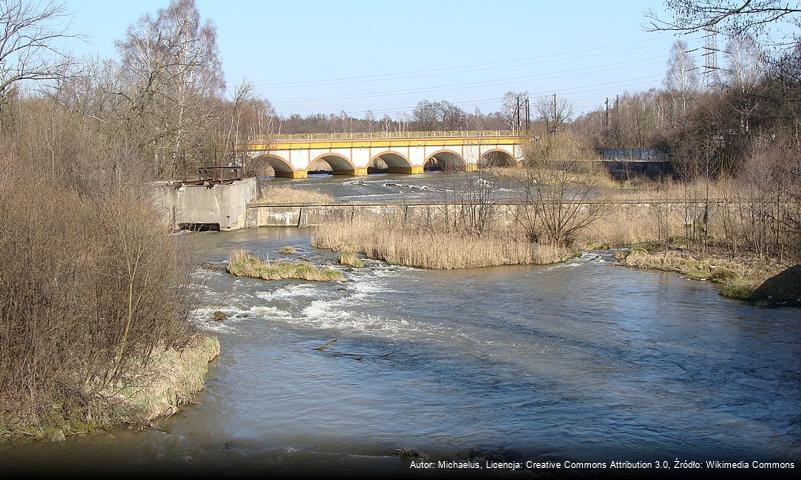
{"x": 581, "y": 360}
{"x": 433, "y": 187}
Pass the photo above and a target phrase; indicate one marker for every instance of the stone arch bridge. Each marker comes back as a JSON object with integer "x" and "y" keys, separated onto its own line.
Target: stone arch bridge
{"x": 292, "y": 156}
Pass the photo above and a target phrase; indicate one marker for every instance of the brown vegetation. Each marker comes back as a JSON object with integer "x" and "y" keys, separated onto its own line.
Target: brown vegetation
{"x": 91, "y": 288}
{"x": 416, "y": 247}
{"x": 243, "y": 264}
{"x": 293, "y": 196}
{"x": 348, "y": 257}
{"x": 94, "y": 294}
{"x": 555, "y": 208}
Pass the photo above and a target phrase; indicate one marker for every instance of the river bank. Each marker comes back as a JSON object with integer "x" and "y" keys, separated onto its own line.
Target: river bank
{"x": 737, "y": 276}
{"x": 158, "y": 390}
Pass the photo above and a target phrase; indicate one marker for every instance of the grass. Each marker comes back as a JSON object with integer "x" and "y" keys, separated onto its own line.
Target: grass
{"x": 348, "y": 256}
{"x": 168, "y": 381}
{"x": 433, "y": 250}
{"x": 287, "y": 250}
{"x": 173, "y": 378}
{"x": 243, "y": 264}
{"x": 293, "y": 196}
{"x": 736, "y": 279}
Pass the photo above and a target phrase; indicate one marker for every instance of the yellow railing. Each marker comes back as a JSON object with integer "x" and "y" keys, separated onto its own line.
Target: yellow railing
{"x": 387, "y": 135}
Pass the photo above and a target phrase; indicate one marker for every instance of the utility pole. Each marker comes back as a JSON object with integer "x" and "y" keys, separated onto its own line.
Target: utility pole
{"x": 617, "y": 121}
{"x": 606, "y": 118}
{"x": 517, "y": 114}
{"x": 527, "y": 115}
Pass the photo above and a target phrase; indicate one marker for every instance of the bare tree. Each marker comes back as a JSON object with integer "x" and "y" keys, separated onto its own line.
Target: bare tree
{"x": 28, "y": 39}
{"x": 244, "y": 119}
{"x": 555, "y": 112}
{"x": 234, "y": 138}
{"x": 556, "y": 205}
{"x": 453, "y": 117}
{"x": 681, "y": 81}
{"x": 511, "y": 108}
{"x": 427, "y": 115}
{"x": 727, "y": 16}
{"x": 746, "y": 64}
{"x": 171, "y": 67}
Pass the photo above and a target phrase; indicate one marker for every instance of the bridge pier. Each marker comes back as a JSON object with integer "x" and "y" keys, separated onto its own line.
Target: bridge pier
{"x": 356, "y": 172}
{"x": 293, "y": 174}
{"x": 414, "y": 169}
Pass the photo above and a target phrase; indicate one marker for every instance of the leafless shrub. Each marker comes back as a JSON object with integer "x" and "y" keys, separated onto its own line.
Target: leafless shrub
{"x": 554, "y": 208}
{"x": 766, "y": 201}
{"x": 88, "y": 289}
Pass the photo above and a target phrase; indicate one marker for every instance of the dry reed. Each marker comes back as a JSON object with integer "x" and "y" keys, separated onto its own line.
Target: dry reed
{"x": 293, "y": 196}
{"x": 434, "y": 250}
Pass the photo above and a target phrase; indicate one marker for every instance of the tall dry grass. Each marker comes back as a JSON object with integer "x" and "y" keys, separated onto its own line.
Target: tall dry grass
{"x": 587, "y": 173}
{"x": 293, "y": 196}
{"x": 621, "y": 226}
{"x": 670, "y": 189}
{"x": 434, "y": 250}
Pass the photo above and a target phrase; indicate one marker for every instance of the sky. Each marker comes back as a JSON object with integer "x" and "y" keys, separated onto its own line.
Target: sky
{"x": 314, "y": 56}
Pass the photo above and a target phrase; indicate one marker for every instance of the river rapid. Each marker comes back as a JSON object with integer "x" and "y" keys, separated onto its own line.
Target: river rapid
{"x": 583, "y": 360}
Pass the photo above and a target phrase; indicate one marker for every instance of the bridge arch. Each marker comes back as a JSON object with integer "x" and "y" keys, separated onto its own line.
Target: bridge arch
{"x": 497, "y": 157}
{"x": 340, "y": 165}
{"x": 446, "y": 161}
{"x": 280, "y": 165}
{"x": 395, "y": 162}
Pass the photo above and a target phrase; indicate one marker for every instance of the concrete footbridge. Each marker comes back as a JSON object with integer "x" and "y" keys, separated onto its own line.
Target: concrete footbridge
{"x": 292, "y": 156}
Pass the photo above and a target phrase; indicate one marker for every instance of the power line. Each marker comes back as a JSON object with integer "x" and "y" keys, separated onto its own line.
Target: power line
{"x": 542, "y": 94}
{"x": 540, "y": 76}
{"x": 457, "y": 69}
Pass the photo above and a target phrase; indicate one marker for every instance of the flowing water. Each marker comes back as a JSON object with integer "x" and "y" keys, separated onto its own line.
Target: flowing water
{"x": 384, "y": 187}
{"x": 581, "y": 360}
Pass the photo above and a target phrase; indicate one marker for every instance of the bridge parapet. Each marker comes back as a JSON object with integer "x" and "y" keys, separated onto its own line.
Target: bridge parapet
{"x": 388, "y": 135}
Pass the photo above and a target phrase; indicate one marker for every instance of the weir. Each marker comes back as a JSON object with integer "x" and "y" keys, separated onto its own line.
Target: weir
{"x": 234, "y": 206}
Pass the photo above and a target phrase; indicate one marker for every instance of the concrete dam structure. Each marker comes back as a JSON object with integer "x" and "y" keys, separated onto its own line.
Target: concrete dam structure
{"x": 216, "y": 206}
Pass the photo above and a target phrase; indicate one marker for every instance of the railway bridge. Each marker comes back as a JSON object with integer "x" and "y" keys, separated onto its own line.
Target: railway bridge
{"x": 293, "y": 156}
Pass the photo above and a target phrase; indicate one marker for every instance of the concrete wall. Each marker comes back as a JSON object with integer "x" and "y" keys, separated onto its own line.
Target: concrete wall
{"x": 310, "y": 216}
{"x": 225, "y": 205}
